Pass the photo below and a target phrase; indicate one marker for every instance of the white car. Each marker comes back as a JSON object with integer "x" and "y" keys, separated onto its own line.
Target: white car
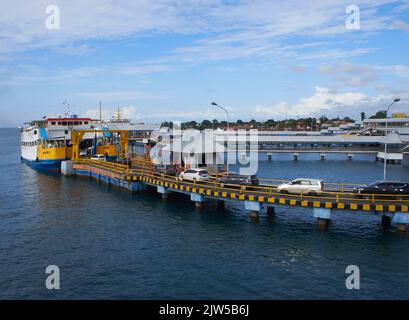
{"x": 305, "y": 186}
{"x": 98, "y": 157}
{"x": 194, "y": 175}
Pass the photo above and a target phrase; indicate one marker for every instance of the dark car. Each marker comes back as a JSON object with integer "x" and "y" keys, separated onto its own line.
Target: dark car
{"x": 238, "y": 179}
{"x": 384, "y": 187}
{"x": 168, "y": 169}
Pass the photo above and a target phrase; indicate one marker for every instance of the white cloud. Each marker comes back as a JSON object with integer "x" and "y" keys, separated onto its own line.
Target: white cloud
{"x": 349, "y": 74}
{"x": 261, "y": 29}
{"x": 113, "y": 96}
{"x": 29, "y": 74}
{"x": 396, "y": 70}
{"x": 402, "y": 7}
{"x": 142, "y": 69}
{"x": 250, "y": 27}
{"x": 118, "y": 69}
{"x": 401, "y": 25}
{"x": 323, "y": 102}
{"x": 360, "y": 75}
{"x": 74, "y": 50}
{"x": 94, "y": 113}
{"x": 128, "y": 112}
{"x": 23, "y": 22}
{"x": 193, "y": 113}
{"x": 280, "y": 110}
{"x": 120, "y": 96}
{"x": 239, "y": 30}
{"x": 289, "y": 33}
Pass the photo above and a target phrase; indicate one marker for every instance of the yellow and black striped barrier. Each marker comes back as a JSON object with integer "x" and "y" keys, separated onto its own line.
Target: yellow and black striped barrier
{"x": 142, "y": 171}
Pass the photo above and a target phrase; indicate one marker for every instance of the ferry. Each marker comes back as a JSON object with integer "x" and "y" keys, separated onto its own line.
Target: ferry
{"x": 140, "y": 129}
{"x": 47, "y": 142}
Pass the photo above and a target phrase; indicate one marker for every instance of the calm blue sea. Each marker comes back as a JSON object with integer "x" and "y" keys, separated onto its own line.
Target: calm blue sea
{"x": 112, "y": 244}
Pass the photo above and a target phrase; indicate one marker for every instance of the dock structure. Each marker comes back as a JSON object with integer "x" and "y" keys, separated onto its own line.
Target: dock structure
{"x": 139, "y": 175}
{"x": 298, "y": 144}
{"x": 349, "y": 145}
{"x": 256, "y": 199}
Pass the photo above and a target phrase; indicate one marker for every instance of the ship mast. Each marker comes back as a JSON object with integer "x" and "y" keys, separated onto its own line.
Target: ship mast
{"x": 100, "y": 113}
{"x": 118, "y": 114}
{"x": 67, "y": 108}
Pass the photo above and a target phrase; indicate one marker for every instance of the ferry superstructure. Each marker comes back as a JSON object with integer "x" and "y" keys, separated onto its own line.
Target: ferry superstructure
{"x": 119, "y": 123}
{"x": 45, "y": 143}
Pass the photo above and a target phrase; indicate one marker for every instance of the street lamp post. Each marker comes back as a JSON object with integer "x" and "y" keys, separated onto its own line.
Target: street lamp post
{"x": 228, "y": 121}
{"x": 385, "y": 157}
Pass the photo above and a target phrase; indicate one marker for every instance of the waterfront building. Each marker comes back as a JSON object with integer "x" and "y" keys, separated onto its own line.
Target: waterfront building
{"x": 395, "y": 124}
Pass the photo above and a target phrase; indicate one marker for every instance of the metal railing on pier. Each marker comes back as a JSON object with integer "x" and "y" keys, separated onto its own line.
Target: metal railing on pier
{"x": 337, "y": 195}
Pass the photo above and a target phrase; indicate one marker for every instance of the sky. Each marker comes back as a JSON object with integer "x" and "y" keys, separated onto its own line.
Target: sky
{"x": 169, "y": 59}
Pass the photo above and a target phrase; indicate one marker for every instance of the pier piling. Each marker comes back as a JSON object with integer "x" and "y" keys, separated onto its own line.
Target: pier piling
{"x": 254, "y": 207}
{"x": 198, "y": 199}
{"x": 386, "y": 221}
{"x": 322, "y": 223}
{"x": 270, "y": 211}
{"x": 401, "y": 227}
{"x": 164, "y": 192}
{"x": 323, "y": 217}
{"x": 199, "y": 205}
{"x": 67, "y": 168}
{"x": 108, "y": 173}
{"x": 400, "y": 221}
{"x": 254, "y": 216}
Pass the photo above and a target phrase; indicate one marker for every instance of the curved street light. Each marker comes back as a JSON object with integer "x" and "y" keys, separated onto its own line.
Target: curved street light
{"x": 385, "y": 158}
{"x": 228, "y": 121}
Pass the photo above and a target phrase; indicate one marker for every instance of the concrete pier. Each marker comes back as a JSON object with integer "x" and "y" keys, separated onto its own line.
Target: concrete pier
{"x": 391, "y": 157}
{"x": 107, "y": 177}
{"x": 270, "y": 211}
{"x": 198, "y": 199}
{"x": 322, "y": 223}
{"x": 254, "y": 216}
{"x": 400, "y": 221}
{"x": 199, "y": 206}
{"x": 67, "y": 168}
{"x": 401, "y": 227}
{"x": 254, "y": 207}
{"x": 405, "y": 159}
{"x": 164, "y": 192}
{"x": 255, "y": 201}
{"x": 386, "y": 221}
{"x": 323, "y": 217}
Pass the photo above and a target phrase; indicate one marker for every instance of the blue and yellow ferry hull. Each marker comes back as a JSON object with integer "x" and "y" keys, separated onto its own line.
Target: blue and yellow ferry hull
{"x": 53, "y": 166}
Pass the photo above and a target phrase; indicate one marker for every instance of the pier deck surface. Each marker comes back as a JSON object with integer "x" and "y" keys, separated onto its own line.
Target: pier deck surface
{"x": 334, "y": 196}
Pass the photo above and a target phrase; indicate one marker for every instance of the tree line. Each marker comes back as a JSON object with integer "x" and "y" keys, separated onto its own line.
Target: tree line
{"x": 310, "y": 123}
